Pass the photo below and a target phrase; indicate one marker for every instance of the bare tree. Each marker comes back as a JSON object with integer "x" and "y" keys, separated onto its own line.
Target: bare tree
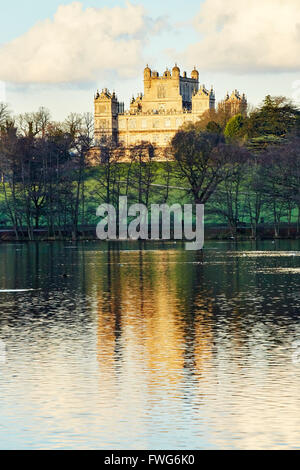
{"x": 73, "y": 124}
{"x": 108, "y": 157}
{"x": 280, "y": 180}
{"x": 226, "y": 202}
{"x": 143, "y": 172}
{"x": 34, "y": 124}
{"x": 5, "y": 114}
{"x": 204, "y": 160}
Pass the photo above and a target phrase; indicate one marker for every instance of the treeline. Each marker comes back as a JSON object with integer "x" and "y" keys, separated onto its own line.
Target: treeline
{"x": 42, "y": 165}
{"x": 261, "y": 174}
{"x": 245, "y": 169}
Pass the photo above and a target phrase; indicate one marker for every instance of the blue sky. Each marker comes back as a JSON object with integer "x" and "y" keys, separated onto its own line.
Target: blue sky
{"x": 233, "y": 46}
{"x": 17, "y": 16}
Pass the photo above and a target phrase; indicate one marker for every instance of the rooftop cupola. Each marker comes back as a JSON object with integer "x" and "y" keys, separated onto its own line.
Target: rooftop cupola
{"x": 176, "y": 71}
{"x": 195, "y": 74}
{"x": 147, "y": 73}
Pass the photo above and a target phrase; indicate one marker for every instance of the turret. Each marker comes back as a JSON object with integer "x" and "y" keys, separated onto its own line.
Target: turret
{"x": 136, "y": 104}
{"x": 147, "y": 77}
{"x": 176, "y": 72}
{"x": 236, "y": 104}
{"x": 195, "y": 74}
{"x": 107, "y": 109}
{"x": 203, "y": 100}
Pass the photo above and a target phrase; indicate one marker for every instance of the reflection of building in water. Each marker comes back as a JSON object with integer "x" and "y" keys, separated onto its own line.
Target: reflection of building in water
{"x": 151, "y": 329}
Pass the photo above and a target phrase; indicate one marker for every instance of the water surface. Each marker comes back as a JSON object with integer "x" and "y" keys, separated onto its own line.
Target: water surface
{"x": 138, "y": 346}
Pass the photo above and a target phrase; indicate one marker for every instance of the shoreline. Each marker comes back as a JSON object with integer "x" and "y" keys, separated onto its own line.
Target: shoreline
{"x": 212, "y": 232}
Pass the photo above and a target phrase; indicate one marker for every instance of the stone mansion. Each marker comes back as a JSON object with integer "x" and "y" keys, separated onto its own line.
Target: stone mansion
{"x": 168, "y": 102}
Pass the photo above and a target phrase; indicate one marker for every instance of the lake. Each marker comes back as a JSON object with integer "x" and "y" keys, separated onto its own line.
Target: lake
{"x": 149, "y": 346}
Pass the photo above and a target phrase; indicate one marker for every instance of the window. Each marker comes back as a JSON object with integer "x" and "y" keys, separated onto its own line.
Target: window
{"x": 132, "y": 124}
{"x": 103, "y": 124}
{"x": 161, "y": 91}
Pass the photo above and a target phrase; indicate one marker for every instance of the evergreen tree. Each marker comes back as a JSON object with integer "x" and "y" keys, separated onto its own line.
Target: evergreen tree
{"x": 236, "y": 127}
{"x": 277, "y": 116}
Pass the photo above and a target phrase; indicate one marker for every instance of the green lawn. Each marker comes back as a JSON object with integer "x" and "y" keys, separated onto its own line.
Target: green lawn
{"x": 92, "y": 185}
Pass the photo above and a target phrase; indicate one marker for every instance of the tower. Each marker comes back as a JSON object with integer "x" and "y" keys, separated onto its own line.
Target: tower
{"x": 203, "y": 100}
{"x": 195, "y": 74}
{"x": 235, "y": 104}
{"x": 107, "y": 109}
{"x": 176, "y": 72}
{"x": 147, "y": 78}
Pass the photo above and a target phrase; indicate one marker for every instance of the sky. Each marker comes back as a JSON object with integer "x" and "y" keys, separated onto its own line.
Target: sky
{"x": 58, "y": 53}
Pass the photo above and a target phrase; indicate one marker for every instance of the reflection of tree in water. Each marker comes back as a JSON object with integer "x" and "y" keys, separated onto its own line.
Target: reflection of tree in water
{"x": 176, "y": 309}
{"x": 208, "y": 331}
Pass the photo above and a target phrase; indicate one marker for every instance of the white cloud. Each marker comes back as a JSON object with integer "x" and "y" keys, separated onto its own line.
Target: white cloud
{"x": 77, "y": 45}
{"x": 247, "y": 36}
